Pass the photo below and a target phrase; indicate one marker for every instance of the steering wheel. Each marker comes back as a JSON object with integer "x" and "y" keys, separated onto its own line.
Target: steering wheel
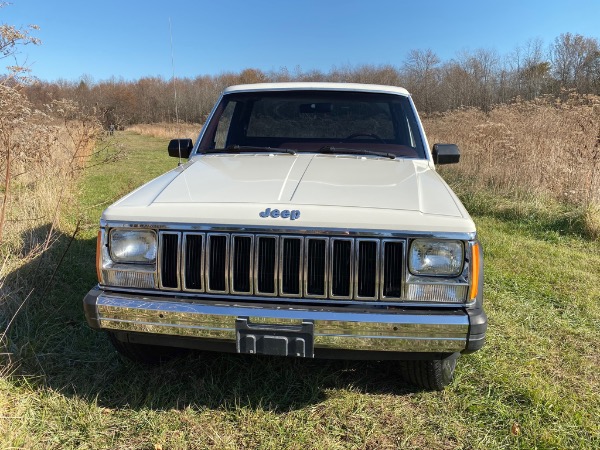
{"x": 371, "y": 135}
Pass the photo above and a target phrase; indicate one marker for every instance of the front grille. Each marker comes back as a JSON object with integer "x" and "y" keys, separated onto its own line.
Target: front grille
{"x": 307, "y": 266}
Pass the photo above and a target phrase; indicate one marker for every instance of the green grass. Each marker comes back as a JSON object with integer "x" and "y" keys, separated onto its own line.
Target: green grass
{"x": 539, "y": 369}
{"x": 139, "y": 159}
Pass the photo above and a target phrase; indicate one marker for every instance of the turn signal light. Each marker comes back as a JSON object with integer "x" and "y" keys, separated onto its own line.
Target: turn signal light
{"x": 99, "y": 256}
{"x": 475, "y": 264}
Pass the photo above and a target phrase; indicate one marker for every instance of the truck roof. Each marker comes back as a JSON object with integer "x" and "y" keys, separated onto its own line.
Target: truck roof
{"x": 317, "y": 86}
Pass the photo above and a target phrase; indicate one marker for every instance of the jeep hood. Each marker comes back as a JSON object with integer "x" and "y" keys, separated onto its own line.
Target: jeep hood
{"x": 342, "y": 190}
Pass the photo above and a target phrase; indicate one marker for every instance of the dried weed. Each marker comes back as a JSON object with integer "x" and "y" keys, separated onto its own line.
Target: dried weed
{"x": 168, "y": 130}
{"x": 545, "y": 148}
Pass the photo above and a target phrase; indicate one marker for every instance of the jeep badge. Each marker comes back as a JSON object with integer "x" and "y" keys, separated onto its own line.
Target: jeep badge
{"x": 285, "y": 214}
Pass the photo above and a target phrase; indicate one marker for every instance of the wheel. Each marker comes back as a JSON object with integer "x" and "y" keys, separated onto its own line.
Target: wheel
{"x": 433, "y": 375}
{"x": 144, "y": 353}
{"x": 371, "y": 135}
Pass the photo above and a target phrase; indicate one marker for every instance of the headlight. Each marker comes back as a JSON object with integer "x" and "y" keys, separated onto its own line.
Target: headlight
{"x": 133, "y": 246}
{"x": 436, "y": 257}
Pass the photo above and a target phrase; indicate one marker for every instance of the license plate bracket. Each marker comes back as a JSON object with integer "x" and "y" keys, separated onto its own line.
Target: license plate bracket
{"x": 274, "y": 339}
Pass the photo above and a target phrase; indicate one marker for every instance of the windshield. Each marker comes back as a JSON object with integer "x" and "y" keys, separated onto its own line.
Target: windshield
{"x": 308, "y": 121}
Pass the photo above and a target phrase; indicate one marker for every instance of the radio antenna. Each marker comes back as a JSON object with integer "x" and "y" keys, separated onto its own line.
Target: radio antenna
{"x": 174, "y": 88}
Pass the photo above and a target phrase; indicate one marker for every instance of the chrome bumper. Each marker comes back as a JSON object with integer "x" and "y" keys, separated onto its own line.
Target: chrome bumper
{"x": 337, "y": 328}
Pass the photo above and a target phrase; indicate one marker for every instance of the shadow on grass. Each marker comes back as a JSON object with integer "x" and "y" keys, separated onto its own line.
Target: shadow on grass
{"x": 224, "y": 381}
{"x": 56, "y": 350}
{"x": 550, "y": 221}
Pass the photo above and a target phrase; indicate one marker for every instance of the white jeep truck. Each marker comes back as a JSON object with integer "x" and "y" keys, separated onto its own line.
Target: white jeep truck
{"x": 309, "y": 221}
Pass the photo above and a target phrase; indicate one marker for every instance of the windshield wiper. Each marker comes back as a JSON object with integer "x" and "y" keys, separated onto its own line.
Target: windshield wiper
{"x": 250, "y": 149}
{"x": 355, "y": 151}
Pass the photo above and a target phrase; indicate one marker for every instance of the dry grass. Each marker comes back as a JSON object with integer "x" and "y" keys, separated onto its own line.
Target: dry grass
{"x": 44, "y": 182}
{"x": 544, "y": 147}
{"x": 42, "y": 155}
{"x": 168, "y": 130}
{"x": 591, "y": 221}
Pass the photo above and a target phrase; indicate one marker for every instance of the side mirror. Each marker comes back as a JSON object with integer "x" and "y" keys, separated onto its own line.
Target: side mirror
{"x": 445, "y": 154}
{"x": 181, "y": 147}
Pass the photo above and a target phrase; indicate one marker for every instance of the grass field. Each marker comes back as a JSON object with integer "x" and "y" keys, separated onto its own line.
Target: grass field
{"x": 535, "y": 384}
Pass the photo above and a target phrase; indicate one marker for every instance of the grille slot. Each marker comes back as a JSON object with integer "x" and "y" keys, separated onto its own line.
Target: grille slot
{"x": 241, "y": 264}
{"x": 217, "y": 253}
{"x": 193, "y": 247}
{"x": 169, "y": 260}
{"x": 367, "y": 269}
{"x": 342, "y": 259}
{"x": 266, "y": 265}
{"x": 291, "y": 266}
{"x": 393, "y": 259}
{"x": 317, "y": 267}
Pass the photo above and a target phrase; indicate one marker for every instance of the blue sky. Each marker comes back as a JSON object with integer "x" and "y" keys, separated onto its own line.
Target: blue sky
{"x": 130, "y": 39}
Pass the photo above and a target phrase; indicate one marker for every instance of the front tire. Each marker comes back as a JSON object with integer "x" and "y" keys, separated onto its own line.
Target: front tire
{"x": 144, "y": 353}
{"x": 432, "y": 375}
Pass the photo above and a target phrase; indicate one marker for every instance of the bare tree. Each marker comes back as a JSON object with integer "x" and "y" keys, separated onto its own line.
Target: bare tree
{"x": 472, "y": 79}
{"x": 422, "y": 75}
{"x": 576, "y": 61}
{"x": 530, "y": 69}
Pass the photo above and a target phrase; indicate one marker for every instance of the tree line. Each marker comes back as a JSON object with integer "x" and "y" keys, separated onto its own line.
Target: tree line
{"x": 479, "y": 78}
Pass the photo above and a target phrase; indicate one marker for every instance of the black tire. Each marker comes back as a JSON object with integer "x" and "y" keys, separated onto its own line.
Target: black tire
{"x": 432, "y": 375}
{"x": 144, "y": 353}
